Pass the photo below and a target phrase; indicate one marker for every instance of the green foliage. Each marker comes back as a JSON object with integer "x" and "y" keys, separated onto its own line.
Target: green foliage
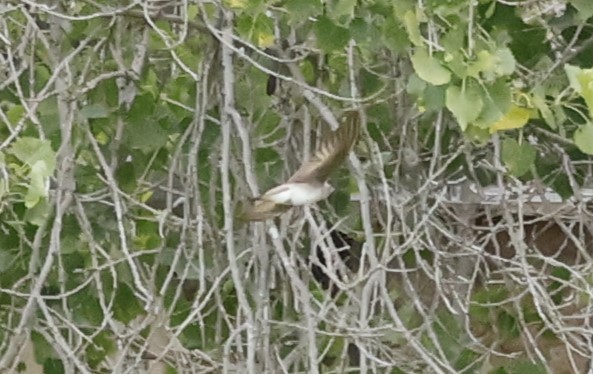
{"x": 497, "y": 102}
{"x": 303, "y": 9}
{"x": 330, "y": 37}
{"x": 518, "y": 158}
{"x": 580, "y": 81}
{"x": 520, "y": 366}
{"x": 94, "y": 111}
{"x": 583, "y": 138}
{"x": 429, "y": 68}
{"x": 481, "y": 300}
{"x": 102, "y": 345}
{"x": 42, "y": 349}
{"x": 110, "y": 116}
{"x": 126, "y": 306}
{"x": 53, "y": 366}
{"x": 465, "y": 103}
{"x": 40, "y": 162}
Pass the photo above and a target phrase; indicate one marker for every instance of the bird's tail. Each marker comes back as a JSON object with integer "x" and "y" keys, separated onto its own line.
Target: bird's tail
{"x": 261, "y": 210}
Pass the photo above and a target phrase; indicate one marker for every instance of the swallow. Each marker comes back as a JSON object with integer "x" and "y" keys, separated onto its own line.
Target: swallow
{"x": 309, "y": 184}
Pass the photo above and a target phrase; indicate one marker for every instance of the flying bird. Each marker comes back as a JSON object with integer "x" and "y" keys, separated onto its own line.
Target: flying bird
{"x": 309, "y": 183}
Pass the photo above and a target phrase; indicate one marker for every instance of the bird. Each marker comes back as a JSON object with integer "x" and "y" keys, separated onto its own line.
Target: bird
{"x": 309, "y": 184}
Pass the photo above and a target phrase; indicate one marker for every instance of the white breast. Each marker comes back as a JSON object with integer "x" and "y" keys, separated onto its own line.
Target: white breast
{"x": 298, "y": 193}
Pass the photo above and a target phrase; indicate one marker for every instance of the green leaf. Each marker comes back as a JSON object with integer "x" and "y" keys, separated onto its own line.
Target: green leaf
{"x": 147, "y": 235}
{"x": 584, "y": 7}
{"x": 504, "y": 62}
{"x": 394, "y": 36}
{"x": 300, "y": 10}
{"x": 147, "y": 135}
{"x": 94, "y": 111}
{"x": 15, "y": 114}
{"x": 342, "y": 11}
{"x": 581, "y": 80}
{"x": 37, "y": 189}
{"x": 561, "y": 185}
{"x": 479, "y": 308}
{"x": 32, "y": 150}
{"x": 497, "y": 102}
{"x": 524, "y": 366}
{"x": 415, "y": 85}
{"x": 237, "y": 4}
{"x": 491, "y": 66}
{"x": 454, "y": 39}
{"x": 245, "y": 89}
{"x": 39, "y": 156}
{"x": 364, "y": 33}
{"x": 263, "y": 155}
{"x": 42, "y": 349}
{"x": 53, "y": 366}
{"x": 192, "y": 11}
{"x": 143, "y": 106}
{"x": 539, "y": 102}
{"x": 583, "y": 138}
{"x": 106, "y": 95}
{"x": 267, "y": 126}
{"x": 554, "y": 289}
{"x": 572, "y": 72}
{"x": 467, "y": 359}
{"x": 369, "y": 83}
{"x": 85, "y": 307}
{"x": 49, "y": 115}
{"x": 456, "y": 62}
{"x": 413, "y": 28}
{"x": 507, "y": 324}
{"x": 515, "y": 118}
{"x": 333, "y": 347}
{"x": 126, "y": 306}
{"x": 126, "y": 177}
{"x": 518, "y": 158}
{"x": 479, "y": 135}
{"x": 447, "y": 331}
{"x": 190, "y": 337}
{"x": 103, "y": 345}
{"x": 429, "y": 68}
{"x": 340, "y": 200}
{"x": 259, "y": 29}
{"x": 6, "y": 260}
{"x": 434, "y": 97}
{"x": 465, "y": 105}
{"x": 42, "y": 76}
{"x": 37, "y": 213}
{"x": 484, "y": 63}
{"x": 330, "y": 37}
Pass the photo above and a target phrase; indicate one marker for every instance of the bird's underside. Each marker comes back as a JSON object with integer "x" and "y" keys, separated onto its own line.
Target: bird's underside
{"x": 309, "y": 183}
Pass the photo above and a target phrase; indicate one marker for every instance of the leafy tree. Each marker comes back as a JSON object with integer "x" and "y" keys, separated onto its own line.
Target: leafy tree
{"x": 132, "y": 133}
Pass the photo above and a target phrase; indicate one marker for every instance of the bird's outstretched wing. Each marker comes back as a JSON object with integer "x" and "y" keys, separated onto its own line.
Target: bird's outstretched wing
{"x": 331, "y": 152}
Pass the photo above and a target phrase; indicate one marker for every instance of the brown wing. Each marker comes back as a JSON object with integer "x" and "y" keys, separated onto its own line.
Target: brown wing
{"x": 332, "y": 150}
